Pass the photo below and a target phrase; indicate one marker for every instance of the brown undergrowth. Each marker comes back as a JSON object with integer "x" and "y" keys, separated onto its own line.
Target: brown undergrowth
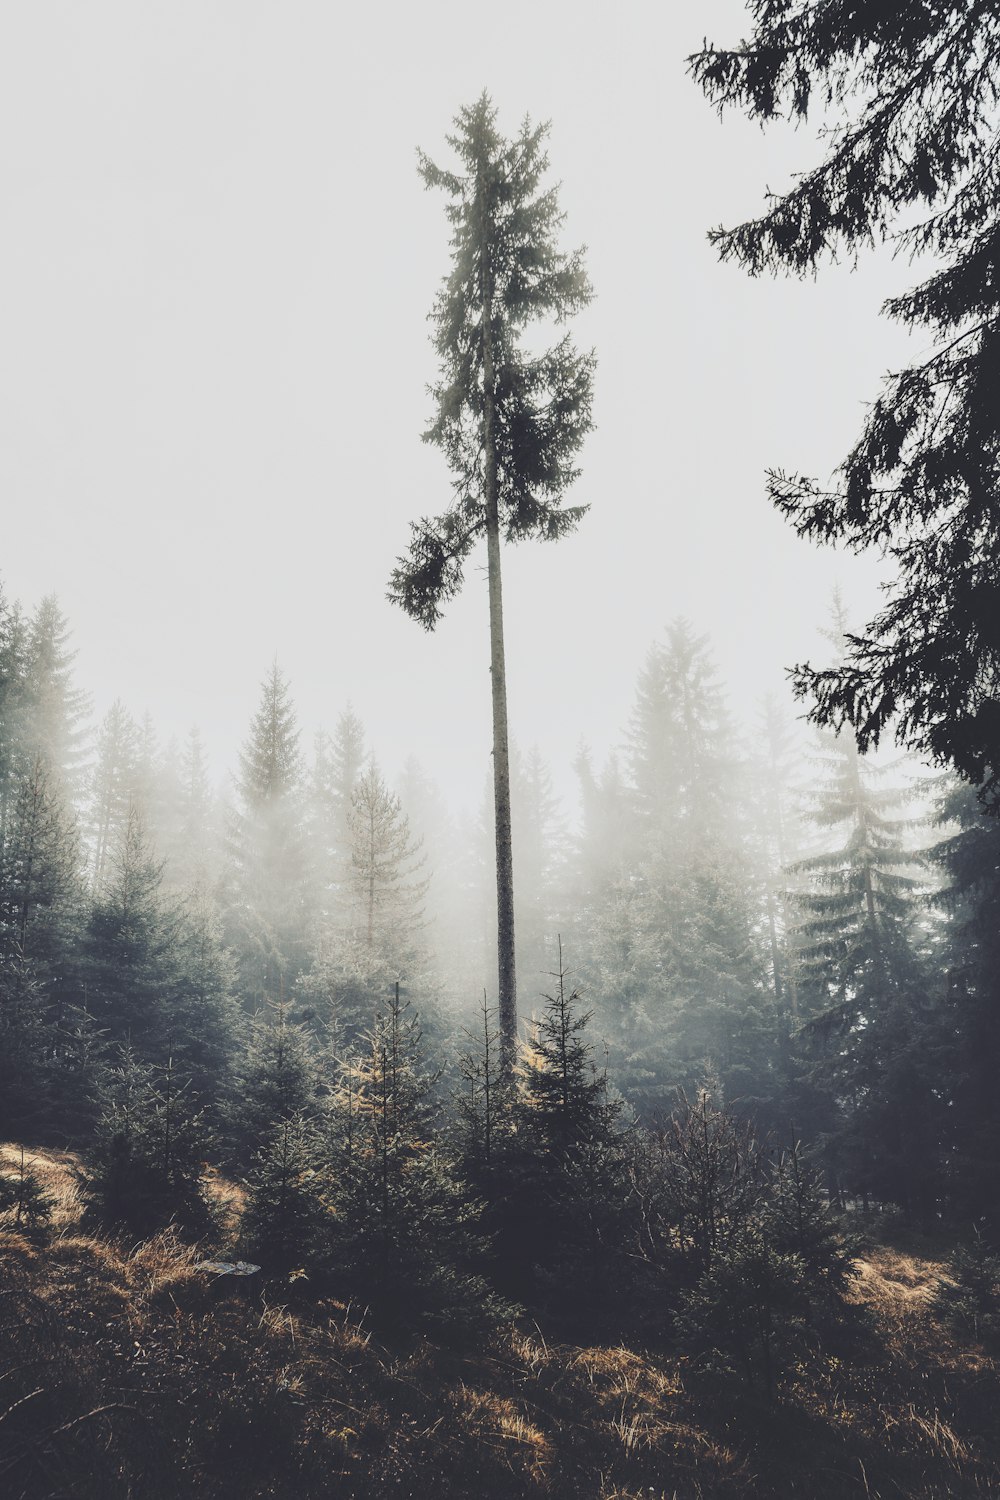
{"x": 128, "y": 1374}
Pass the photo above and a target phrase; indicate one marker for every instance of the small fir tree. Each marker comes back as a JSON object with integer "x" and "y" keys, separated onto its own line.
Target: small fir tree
{"x": 276, "y": 1082}
{"x": 145, "y": 1162}
{"x": 407, "y": 1237}
{"x": 560, "y": 1202}
{"x": 23, "y": 1199}
{"x": 284, "y": 1221}
{"x": 800, "y": 1222}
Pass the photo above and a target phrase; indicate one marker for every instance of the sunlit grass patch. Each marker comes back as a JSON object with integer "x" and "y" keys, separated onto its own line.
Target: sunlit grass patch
{"x": 57, "y": 1172}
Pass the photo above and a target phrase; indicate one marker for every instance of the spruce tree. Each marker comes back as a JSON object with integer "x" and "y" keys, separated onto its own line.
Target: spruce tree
{"x": 285, "y": 1218}
{"x": 484, "y": 1101}
{"x": 26, "y": 1040}
{"x": 338, "y": 763}
{"x": 606, "y": 837}
{"x": 204, "y": 1022}
{"x": 509, "y": 423}
{"x": 692, "y": 882}
{"x": 406, "y": 1235}
{"x": 22, "y": 1197}
{"x": 130, "y": 946}
{"x": 800, "y": 1222}
{"x": 276, "y": 1082}
{"x": 385, "y": 884}
{"x": 55, "y": 707}
{"x": 872, "y": 1002}
{"x": 41, "y": 866}
{"x": 373, "y": 936}
{"x": 541, "y": 841}
{"x": 968, "y": 1059}
{"x": 144, "y": 1163}
{"x": 13, "y": 701}
{"x": 559, "y": 1205}
{"x": 912, "y": 92}
{"x": 266, "y": 886}
{"x": 190, "y": 833}
{"x": 113, "y": 788}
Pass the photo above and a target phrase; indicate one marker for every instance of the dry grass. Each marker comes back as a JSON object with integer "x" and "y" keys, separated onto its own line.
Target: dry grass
{"x": 56, "y": 1171}
{"x": 127, "y": 1374}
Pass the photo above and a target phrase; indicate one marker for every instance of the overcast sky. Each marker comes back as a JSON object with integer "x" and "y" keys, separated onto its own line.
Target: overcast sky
{"x": 217, "y": 263}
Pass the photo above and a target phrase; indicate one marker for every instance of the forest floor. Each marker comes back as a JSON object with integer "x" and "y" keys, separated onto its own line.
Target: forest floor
{"x": 128, "y": 1374}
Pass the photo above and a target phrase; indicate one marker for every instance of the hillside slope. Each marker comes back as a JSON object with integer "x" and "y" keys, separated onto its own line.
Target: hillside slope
{"x": 128, "y": 1374}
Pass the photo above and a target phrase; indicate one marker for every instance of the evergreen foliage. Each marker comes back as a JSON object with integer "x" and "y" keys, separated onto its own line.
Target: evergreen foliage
{"x": 113, "y": 791}
{"x": 702, "y": 1183}
{"x": 406, "y": 1230}
{"x": 799, "y": 1222}
{"x": 129, "y": 945}
{"x": 559, "y": 1199}
{"x": 277, "y": 1082}
{"x": 744, "y": 1312}
{"x": 146, "y": 1158}
{"x": 968, "y": 1296}
{"x": 338, "y": 762}
{"x": 912, "y": 152}
{"x": 873, "y": 1016}
{"x": 266, "y": 886}
{"x": 22, "y": 1198}
{"x": 285, "y": 1218}
{"x": 968, "y": 857}
{"x": 509, "y": 423}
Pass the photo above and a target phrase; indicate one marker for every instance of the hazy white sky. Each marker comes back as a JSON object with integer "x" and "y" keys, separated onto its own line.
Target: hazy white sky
{"x": 217, "y": 262}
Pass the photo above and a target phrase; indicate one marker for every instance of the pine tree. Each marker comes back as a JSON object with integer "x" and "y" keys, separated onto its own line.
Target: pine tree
{"x": 968, "y": 1060}
{"x": 338, "y": 763}
{"x": 874, "y": 1011}
{"x": 22, "y": 1197}
{"x": 285, "y": 1218}
{"x": 267, "y": 902}
{"x": 775, "y": 827}
{"x": 541, "y": 841}
{"x": 25, "y": 1043}
{"x": 484, "y": 1101}
{"x": 144, "y": 1164}
{"x": 800, "y": 1222}
{"x": 204, "y": 1023}
{"x": 606, "y": 839}
{"x": 373, "y": 938}
{"x": 968, "y": 1297}
{"x": 277, "y": 1082}
{"x": 559, "y": 1201}
{"x": 13, "y": 704}
{"x": 508, "y": 423}
{"x": 40, "y": 870}
{"x": 693, "y": 888}
{"x": 406, "y": 1230}
{"x": 746, "y": 1313}
{"x": 113, "y": 789}
{"x": 912, "y": 153}
{"x": 680, "y": 755}
{"x": 704, "y": 1180}
{"x": 130, "y": 946}
{"x": 447, "y": 930}
{"x": 385, "y": 885}
{"x": 54, "y": 706}
{"x": 190, "y": 834}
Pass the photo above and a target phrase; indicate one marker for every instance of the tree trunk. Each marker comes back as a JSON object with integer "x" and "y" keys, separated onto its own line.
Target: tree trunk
{"x": 507, "y": 990}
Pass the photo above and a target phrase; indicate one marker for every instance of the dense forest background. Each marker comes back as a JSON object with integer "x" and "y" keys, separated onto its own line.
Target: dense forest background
{"x": 760, "y": 911}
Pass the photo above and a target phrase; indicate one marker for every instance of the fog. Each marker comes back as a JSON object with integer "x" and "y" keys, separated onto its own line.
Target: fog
{"x": 218, "y": 263}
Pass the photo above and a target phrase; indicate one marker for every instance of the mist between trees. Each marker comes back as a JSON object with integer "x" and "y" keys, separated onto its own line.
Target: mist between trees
{"x": 761, "y": 911}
